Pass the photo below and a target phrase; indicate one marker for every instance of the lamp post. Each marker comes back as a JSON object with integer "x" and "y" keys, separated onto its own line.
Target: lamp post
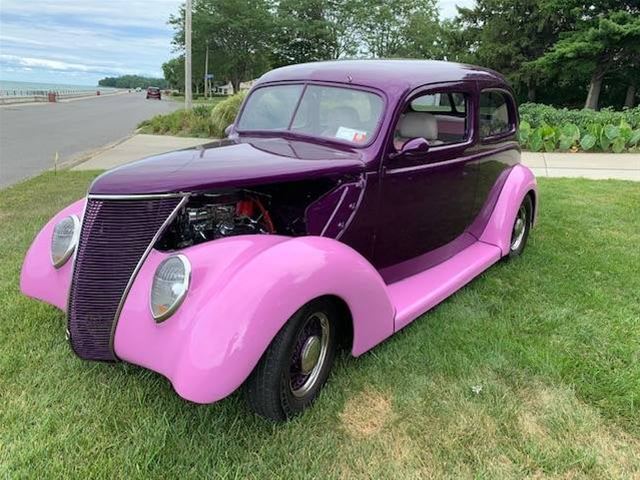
{"x": 188, "y": 96}
{"x": 207, "y": 91}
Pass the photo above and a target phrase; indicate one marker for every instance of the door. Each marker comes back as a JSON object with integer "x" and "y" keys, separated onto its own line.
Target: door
{"x": 426, "y": 199}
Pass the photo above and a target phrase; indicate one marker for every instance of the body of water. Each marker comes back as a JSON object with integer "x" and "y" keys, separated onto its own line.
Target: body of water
{"x": 12, "y": 89}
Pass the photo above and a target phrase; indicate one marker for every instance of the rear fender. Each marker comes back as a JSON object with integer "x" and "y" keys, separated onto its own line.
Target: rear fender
{"x": 520, "y": 182}
{"x": 243, "y": 290}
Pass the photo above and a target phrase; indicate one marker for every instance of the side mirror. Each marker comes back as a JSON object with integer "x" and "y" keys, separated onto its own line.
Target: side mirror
{"x": 228, "y": 130}
{"x": 415, "y": 146}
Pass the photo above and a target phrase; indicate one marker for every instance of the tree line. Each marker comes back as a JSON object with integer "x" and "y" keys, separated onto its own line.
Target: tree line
{"x": 572, "y": 53}
{"x": 133, "y": 81}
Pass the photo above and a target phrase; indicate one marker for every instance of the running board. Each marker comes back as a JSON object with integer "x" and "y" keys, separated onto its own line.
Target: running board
{"x": 413, "y": 296}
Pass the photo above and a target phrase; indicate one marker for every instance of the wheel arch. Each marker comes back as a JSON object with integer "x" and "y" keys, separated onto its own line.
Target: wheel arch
{"x": 345, "y": 325}
{"x": 533, "y": 194}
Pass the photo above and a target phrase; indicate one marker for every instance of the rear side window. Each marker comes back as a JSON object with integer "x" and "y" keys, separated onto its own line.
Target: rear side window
{"x": 438, "y": 117}
{"x": 440, "y": 103}
{"x": 495, "y": 113}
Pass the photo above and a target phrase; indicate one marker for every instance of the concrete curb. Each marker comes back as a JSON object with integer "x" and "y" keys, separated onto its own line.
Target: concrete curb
{"x": 88, "y": 155}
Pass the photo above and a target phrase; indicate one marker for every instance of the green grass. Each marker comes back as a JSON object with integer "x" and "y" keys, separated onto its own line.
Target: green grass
{"x": 551, "y": 339}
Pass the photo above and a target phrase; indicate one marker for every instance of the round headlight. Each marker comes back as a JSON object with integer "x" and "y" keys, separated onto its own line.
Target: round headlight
{"x": 64, "y": 240}
{"x": 170, "y": 285}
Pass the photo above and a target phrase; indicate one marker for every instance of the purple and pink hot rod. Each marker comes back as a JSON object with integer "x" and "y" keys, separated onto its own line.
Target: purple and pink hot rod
{"x": 349, "y": 198}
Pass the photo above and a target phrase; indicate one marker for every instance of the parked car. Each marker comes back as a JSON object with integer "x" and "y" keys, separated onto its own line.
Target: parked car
{"x": 349, "y": 198}
{"x": 154, "y": 92}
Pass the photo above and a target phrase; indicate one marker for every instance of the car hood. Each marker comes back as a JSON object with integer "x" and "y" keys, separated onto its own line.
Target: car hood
{"x": 228, "y": 163}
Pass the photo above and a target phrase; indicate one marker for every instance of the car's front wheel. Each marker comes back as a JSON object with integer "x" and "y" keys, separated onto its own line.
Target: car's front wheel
{"x": 296, "y": 364}
{"x": 521, "y": 228}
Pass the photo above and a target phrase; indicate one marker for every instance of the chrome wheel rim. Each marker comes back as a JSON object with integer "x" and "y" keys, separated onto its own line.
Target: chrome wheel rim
{"x": 309, "y": 354}
{"x": 519, "y": 229}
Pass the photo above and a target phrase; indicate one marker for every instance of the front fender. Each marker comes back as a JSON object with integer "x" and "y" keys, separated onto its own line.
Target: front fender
{"x": 39, "y": 278}
{"x": 243, "y": 290}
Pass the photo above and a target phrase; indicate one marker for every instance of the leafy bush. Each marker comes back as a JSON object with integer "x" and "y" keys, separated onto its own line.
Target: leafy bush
{"x": 194, "y": 123}
{"x": 224, "y": 113}
{"x": 201, "y": 121}
{"x": 543, "y": 127}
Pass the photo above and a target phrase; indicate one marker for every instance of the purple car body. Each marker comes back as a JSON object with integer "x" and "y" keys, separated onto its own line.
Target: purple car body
{"x": 349, "y": 199}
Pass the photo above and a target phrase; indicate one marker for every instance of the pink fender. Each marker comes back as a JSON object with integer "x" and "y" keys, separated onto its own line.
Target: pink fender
{"x": 39, "y": 279}
{"x": 499, "y": 227}
{"x": 242, "y": 292}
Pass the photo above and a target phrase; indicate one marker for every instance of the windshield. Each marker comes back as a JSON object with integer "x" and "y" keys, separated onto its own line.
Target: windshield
{"x": 330, "y": 112}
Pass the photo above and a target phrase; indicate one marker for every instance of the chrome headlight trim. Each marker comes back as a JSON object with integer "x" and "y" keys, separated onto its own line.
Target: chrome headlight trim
{"x": 73, "y": 243}
{"x": 186, "y": 282}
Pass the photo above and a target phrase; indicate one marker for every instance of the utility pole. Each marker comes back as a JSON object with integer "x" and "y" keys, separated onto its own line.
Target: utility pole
{"x": 207, "y": 88}
{"x": 188, "y": 96}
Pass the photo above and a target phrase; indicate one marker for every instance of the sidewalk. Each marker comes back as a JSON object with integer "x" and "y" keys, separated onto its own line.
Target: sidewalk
{"x": 625, "y": 166}
{"x": 597, "y": 166}
{"x": 137, "y": 147}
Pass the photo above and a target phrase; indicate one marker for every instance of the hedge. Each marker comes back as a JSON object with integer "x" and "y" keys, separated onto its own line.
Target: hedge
{"x": 543, "y": 127}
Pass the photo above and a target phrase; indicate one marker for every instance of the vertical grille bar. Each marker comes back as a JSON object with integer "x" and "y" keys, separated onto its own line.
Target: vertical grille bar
{"x": 114, "y": 237}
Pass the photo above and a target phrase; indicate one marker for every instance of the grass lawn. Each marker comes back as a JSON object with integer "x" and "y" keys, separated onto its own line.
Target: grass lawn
{"x": 551, "y": 343}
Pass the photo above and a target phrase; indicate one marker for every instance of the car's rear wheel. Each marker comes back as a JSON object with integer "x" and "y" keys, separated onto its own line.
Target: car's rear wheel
{"x": 296, "y": 365}
{"x": 521, "y": 228}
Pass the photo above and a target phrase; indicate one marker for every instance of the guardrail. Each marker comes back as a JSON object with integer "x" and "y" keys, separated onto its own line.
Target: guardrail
{"x": 8, "y": 97}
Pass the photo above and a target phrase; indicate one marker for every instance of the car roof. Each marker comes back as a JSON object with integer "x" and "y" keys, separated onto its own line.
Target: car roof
{"x": 384, "y": 74}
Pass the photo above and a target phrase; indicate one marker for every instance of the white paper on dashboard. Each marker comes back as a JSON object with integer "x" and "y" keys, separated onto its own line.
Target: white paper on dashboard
{"x": 351, "y": 134}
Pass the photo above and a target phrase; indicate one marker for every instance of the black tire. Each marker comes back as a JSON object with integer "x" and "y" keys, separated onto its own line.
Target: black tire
{"x": 272, "y": 390}
{"x": 519, "y": 238}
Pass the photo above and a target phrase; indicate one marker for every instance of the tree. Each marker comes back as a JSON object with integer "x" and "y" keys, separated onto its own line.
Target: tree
{"x": 599, "y": 47}
{"x": 238, "y": 32}
{"x": 343, "y": 23}
{"x": 174, "y": 72}
{"x": 392, "y": 28}
{"x": 303, "y": 32}
{"x": 503, "y": 35}
{"x": 132, "y": 81}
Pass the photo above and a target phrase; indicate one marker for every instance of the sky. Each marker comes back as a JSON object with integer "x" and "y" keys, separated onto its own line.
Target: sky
{"x": 81, "y": 41}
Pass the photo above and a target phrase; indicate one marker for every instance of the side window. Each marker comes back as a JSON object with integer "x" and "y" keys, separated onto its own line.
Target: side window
{"x": 438, "y": 117}
{"x": 495, "y": 117}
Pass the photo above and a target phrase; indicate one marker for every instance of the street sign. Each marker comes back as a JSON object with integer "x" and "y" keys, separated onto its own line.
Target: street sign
{"x": 208, "y": 76}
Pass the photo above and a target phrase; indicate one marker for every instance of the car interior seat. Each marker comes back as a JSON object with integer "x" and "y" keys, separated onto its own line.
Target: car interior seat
{"x": 417, "y": 125}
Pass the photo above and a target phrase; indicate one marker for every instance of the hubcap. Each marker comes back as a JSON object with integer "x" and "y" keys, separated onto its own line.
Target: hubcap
{"x": 309, "y": 354}
{"x": 519, "y": 228}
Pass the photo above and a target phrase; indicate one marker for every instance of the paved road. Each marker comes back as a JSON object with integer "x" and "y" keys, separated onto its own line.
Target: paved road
{"x": 30, "y": 135}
